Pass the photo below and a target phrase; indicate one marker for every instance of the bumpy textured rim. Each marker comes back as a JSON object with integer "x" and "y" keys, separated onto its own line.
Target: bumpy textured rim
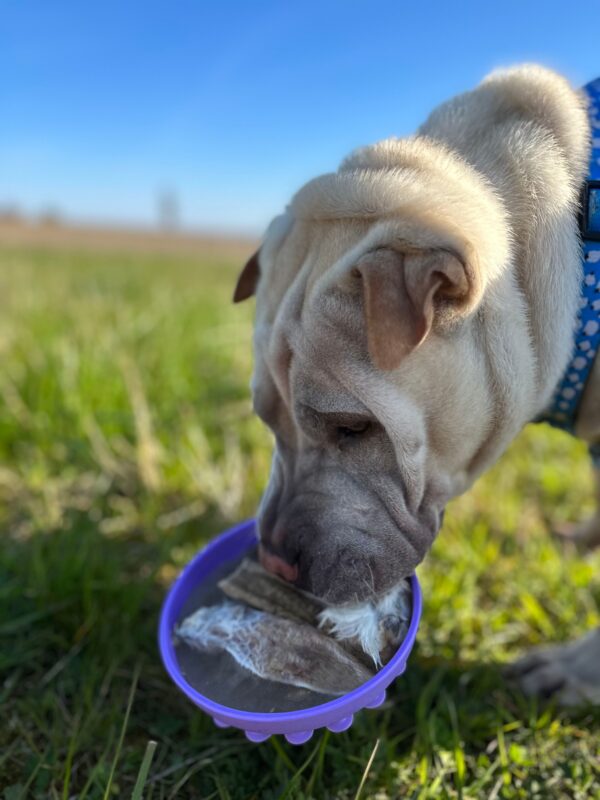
{"x": 296, "y": 726}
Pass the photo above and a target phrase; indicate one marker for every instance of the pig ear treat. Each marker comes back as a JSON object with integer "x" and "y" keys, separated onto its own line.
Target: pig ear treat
{"x": 217, "y": 650}
{"x": 274, "y": 648}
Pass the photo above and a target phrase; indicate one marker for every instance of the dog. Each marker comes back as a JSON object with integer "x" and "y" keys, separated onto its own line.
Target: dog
{"x": 414, "y": 310}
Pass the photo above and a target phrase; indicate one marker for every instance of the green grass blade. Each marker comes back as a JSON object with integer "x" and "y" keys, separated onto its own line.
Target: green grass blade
{"x": 293, "y": 782}
{"x": 318, "y": 770}
{"x": 69, "y": 761}
{"x": 122, "y": 734}
{"x": 144, "y": 769}
{"x": 366, "y": 772}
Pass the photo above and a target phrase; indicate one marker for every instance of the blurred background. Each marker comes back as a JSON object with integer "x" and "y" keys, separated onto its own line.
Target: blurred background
{"x": 206, "y": 117}
{"x": 143, "y": 149}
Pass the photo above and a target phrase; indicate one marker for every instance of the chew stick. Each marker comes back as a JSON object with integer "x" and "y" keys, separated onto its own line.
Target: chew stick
{"x": 252, "y": 584}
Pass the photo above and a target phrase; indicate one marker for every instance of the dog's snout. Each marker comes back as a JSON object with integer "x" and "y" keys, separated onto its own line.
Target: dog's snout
{"x": 275, "y": 564}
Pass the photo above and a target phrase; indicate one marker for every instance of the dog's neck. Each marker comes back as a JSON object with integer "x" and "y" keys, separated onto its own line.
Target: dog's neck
{"x": 539, "y": 186}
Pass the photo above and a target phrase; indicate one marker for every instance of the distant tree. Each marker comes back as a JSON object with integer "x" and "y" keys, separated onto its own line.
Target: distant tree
{"x": 50, "y": 216}
{"x": 168, "y": 210}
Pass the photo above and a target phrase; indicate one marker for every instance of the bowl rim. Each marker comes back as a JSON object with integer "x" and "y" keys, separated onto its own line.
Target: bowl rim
{"x": 367, "y": 693}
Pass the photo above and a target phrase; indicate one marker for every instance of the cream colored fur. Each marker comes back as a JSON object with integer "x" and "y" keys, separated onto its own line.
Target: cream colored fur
{"x": 493, "y": 176}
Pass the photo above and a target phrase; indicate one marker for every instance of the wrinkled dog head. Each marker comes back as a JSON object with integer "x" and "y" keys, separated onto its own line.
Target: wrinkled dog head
{"x": 368, "y": 362}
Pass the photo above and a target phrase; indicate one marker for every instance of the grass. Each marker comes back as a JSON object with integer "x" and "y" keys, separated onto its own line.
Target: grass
{"x": 126, "y": 441}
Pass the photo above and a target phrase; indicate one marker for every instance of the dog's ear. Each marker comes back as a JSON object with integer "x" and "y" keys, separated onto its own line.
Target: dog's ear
{"x": 246, "y": 283}
{"x": 402, "y": 293}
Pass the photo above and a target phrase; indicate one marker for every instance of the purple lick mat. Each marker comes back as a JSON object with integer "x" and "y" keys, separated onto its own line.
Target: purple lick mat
{"x": 297, "y": 725}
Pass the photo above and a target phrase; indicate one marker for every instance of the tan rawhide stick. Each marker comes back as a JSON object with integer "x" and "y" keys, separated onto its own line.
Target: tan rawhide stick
{"x": 252, "y": 584}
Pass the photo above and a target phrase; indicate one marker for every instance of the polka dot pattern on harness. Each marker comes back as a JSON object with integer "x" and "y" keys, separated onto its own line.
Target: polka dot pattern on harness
{"x": 562, "y": 411}
{"x": 587, "y": 341}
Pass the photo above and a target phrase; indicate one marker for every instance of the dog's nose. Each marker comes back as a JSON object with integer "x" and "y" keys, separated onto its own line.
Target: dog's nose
{"x": 276, "y": 565}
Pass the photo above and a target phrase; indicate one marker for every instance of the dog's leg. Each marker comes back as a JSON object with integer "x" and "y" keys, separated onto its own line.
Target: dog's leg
{"x": 585, "y": 535}
{"x": 569, "y": 673}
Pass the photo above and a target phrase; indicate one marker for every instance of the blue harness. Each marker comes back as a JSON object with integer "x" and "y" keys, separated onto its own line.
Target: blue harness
{"x": 562, "y": 411}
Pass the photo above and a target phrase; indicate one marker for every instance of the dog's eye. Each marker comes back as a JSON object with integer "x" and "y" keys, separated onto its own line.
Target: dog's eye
{"x": 352, "y": 431}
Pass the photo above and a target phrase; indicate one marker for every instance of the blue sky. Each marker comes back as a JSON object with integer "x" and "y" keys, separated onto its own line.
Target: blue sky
{"x": 235, "y": 104}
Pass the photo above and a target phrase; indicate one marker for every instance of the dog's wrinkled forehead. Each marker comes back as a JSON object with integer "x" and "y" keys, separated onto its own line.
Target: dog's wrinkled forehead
{"x": 295, "y": 256}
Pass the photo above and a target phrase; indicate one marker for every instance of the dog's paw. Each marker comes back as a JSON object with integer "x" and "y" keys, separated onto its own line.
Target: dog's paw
{"x": 569, "y": 674}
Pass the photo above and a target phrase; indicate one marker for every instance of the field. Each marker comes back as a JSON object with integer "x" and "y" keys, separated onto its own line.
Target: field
{"x": 126, "y": 441}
